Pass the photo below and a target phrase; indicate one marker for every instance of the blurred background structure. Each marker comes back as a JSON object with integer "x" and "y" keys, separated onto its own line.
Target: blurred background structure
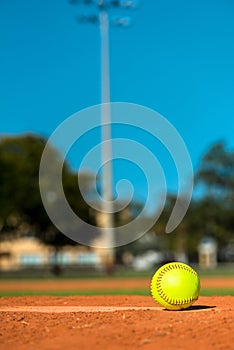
{"x": 29, "y": 240}
{"x": 178, "y": 58}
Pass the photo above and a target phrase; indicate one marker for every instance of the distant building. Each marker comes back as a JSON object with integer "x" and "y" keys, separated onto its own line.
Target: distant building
{"x": 207, "y": 253}
{"x": 29, "y": 252}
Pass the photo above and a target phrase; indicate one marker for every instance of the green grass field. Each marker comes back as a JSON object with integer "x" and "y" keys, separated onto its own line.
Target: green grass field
{"x": 204, "y": 292}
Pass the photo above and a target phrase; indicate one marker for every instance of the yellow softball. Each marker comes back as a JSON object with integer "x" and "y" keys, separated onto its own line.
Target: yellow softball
{"x": 175, "y": 286}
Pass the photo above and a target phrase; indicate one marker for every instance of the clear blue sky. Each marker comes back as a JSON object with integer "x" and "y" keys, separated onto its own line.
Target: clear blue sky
{"x": 177, "y": 58}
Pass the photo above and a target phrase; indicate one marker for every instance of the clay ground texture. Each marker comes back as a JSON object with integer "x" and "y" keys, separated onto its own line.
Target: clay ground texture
{"x": 112, "y": 321}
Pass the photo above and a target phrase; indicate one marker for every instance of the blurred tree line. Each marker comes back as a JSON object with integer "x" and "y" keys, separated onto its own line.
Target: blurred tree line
{"x": 22, "y": 211}
{"x": 211, "y": 211}
{"x": 21, "y": 208}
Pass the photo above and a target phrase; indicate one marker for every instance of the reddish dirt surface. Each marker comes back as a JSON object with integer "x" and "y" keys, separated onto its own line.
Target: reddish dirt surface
{"x": 96, "y": 323}
{"x": 112, "y": 322}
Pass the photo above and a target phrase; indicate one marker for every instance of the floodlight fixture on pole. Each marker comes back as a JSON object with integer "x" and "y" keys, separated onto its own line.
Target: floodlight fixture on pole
{"x": 101, "y": 16}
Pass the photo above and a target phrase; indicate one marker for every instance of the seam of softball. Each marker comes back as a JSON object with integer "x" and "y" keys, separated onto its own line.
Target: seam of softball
{"x": 160, "y": 291}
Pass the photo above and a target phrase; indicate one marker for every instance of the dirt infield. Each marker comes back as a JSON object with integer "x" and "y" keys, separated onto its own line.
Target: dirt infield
{"x": 114, "y": 322}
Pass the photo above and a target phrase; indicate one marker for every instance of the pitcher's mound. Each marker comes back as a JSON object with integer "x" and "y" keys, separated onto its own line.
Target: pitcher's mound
{"x": 114, "y": 322}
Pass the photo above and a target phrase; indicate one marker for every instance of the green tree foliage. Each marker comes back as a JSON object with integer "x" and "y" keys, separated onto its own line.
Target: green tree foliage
{"x": 21, "y": 208}
{"x": 19, "y": 192}
{"x": 209, "y": 214}
{"x": 173, "y": 245}
{"x": 216, "y": 173}
{"x": 212, "y": 213}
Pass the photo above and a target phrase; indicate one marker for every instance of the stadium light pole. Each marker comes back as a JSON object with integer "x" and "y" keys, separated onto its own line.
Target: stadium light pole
{"x": 107, "y": 171}
{"x": 102, "y": 17}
